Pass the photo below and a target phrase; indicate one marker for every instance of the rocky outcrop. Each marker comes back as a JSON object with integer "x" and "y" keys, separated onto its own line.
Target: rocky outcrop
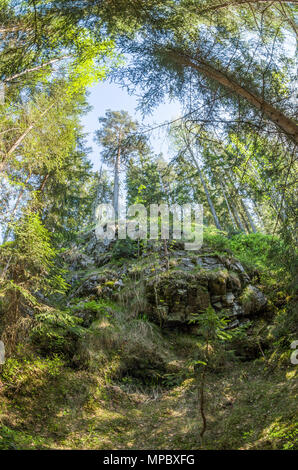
{"x": 173, "y": 297}
{"x": 171, "y": 289}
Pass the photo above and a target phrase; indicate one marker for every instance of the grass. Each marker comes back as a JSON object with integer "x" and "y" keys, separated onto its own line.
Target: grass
{"x": 246, "y": 409}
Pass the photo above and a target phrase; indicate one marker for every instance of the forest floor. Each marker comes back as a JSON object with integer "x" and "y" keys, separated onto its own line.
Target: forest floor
{"x": 54, "y": 407}
{"x": 128, "y": 383}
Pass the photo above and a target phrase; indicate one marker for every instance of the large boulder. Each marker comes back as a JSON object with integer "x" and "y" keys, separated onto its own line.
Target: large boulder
{"x": 252, "y": 300}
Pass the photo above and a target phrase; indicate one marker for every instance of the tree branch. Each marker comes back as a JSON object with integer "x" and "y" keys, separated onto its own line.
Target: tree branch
{"x": 237, "y": 3}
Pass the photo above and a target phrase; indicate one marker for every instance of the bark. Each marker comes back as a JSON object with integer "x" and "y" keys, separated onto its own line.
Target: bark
{"x": 43, "y": 184}
{"x": 246, "y": 214}
{"x": 243, "y": 216}
{"x": 10, "y": 30}
{"x": 258, "y": 213}
{"x": 98, "y": 194}
{"x": 287, "y": 125}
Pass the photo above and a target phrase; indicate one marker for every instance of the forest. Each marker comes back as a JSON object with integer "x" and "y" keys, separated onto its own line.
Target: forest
{"x": 137, "y": 343}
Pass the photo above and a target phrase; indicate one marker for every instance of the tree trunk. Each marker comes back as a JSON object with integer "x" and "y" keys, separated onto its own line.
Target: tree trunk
{"x": 215, "y": 218}
{"x": 228, "y": 206}
{"x": 287, "y": 125}
{"x": 237, "y": 218}
{"x": 246, "y": 211}
{"x": 258, "y": 214}
{"x": 98, "y": 194}
{"x": 116, "y": 181}
{"x": 243, "y": 216}
{"x": 44, "y": 182}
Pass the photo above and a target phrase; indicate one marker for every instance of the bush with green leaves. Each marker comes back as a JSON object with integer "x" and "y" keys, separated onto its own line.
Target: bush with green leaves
{"x": 28, "y": 274}
{"x": 56, "y": 332}
{"x": 124, "y": 249}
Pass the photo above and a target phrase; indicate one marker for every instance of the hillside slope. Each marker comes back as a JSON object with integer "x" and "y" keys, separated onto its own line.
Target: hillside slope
{"x": 124, "y": 372}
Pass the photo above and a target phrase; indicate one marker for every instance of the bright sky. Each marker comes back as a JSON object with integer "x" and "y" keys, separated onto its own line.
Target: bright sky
{"x": 104, "y": 96}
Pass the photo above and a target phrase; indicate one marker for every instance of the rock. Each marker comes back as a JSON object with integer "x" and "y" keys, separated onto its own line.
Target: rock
{"x": 119, "y": 284}
{"x": 229, "y": 299}
{"x": 232, "y": 325}
{"x": 218, "y": 283}
{"x": 174, "y": 298}
{"x": 77, "y": 260}
{"x": 252, "y": 300}
{"x": 208, "y": 262}
{"x": 233, "y": 282}
{"x": 238, "y": 268}
{"x": 237, "y": 310}
{"x": 186, "y": 264}
{"x": 218, "y": 306}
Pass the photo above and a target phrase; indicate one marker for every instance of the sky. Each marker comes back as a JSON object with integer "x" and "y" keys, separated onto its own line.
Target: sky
{"x": 104, "y": 96}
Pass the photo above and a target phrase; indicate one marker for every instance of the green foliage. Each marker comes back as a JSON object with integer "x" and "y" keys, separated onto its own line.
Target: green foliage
{"x": 57, "y": 332}
{"x": 18, "y": 370}
{"x": 145, "y": 178}
{"x": 211, "y": 325}
{"x": 29, "y": 273}
{"x": 124, "y": 249}
{"x": 11, "y": 439}
{"x": 288, "y": 436}
{"x": 119, "y": 134}
{"x": 31, "y": 259}
{"x": 257, "y": 251}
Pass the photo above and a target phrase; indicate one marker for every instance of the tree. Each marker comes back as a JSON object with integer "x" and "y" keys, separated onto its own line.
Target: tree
{"x": 185, "y": 144}
{"x": 28, "y": 273}
{"x": 143, "y": 181}
{"x": 217, "y": 64}
{"x": 43, "y": 167}
{"x": 211, "y": 326}
{"x": 120, "y": 141}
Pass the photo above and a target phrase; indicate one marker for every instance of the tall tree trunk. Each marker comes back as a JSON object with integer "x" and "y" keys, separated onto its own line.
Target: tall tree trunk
{"x": 249, "y": 222}
{"x": 243, "y": 216}
{"x": 237, "y": 217}
{"x": 43, "y": 183}
{"x": 228, "y": 206}
{"x": 215, "y": 218}
{"x": 98, "y": 193}
{"x": 287, "y": 125}
{"x": 247, "y": 213}
{"x": 116, "y": 180}
{"x": 258, "y": 214}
